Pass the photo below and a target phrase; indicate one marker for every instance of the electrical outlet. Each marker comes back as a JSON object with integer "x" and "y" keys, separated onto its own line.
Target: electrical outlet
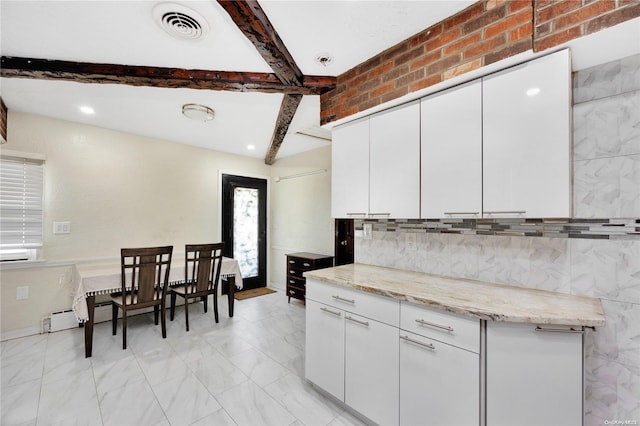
{"x": 410, "y": 241}
{"x": 367, "y": 230}
{"x": 22, "y": 293}
{"x": 61, "y": 227}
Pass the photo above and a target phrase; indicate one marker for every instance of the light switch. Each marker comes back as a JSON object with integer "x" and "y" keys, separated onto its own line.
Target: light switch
{"x": 22, "y": 293}
{"x": 61, "y": 227}
{"x": 367, "y": 230}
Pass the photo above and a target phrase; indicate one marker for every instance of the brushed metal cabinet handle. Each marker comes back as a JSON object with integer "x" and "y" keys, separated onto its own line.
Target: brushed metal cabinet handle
{"x": 430, "y": 324}
{"x": 558, "y": 330}
{"x": 341, "y": 299}
{"x": 365, "y": 323}
{"x": 329, "y": 311}
{"x": 425, "y": 345}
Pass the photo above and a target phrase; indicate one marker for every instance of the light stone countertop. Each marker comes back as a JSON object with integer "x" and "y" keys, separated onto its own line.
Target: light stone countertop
{"x": 476, "y": 299}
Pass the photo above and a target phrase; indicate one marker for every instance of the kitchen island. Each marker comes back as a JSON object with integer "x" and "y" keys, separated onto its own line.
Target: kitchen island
{"x": 400, "y": 347}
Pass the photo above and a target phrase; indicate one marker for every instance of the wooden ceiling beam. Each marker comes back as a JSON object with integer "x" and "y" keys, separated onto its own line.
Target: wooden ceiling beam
{"x": 133, "y": 75}
{"x": 250, "y": 18}
{"x": 287, "y": 111}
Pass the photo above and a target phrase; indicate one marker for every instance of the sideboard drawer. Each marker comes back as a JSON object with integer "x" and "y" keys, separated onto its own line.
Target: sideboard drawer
{"x": 439, "y": 325}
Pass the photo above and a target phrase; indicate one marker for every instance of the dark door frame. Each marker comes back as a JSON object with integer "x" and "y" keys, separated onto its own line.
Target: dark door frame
{"x": 264, "y": 239}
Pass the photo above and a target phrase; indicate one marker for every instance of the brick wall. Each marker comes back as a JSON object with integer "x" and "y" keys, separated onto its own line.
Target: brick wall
{"x": 484, "y": 33}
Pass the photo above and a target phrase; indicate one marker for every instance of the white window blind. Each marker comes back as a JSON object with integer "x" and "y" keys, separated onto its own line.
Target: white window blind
{"x": 21, "y": 186}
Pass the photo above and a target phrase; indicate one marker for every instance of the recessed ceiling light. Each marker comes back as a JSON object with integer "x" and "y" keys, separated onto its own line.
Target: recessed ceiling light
{"x": 324, "y": 59}
{"x": 85, "y": 109}
{"x": 533, "y": 91}
{"x": 198, "y": 112}
{"x": 251, "y": 147}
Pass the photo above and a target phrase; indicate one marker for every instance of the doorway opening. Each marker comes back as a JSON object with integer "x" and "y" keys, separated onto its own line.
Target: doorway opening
{"x": 244, "y": 227}
{"x": 344, "y": 242}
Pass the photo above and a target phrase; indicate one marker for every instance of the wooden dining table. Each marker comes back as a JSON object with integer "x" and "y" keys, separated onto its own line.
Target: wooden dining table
{"x": 92, "y": 280}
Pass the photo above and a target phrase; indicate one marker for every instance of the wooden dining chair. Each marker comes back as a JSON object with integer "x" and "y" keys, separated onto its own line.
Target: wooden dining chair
{"x": 145, "y": 278}
{"x": 202, "y": 273}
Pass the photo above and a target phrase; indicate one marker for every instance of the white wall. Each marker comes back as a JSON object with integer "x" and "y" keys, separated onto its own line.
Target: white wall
{"x": 301, "y": 209}
{"x": 121, "y": 190}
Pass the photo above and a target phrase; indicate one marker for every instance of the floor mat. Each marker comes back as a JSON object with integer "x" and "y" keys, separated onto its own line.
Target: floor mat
{"x": 246, "y": 294}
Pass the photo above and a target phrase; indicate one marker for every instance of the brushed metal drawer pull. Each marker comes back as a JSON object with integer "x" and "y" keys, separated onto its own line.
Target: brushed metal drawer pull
{"x": 329, "y": 311}
{"x": 306, "y": 264}
{"x": 505, "y": 211}
{"x": 461, "y": 213}
{"x": 292, "y": 272}
{"x": 379, "y": 214}
{"x": 292, "y": 261}
{"x": 340, "y": 299}
{"x": 426, "y": 345}
{"x": 430, "y": 324}
{"x": 292, "y": 282}
{"x": 365, "y": 323}
{"x": 356, "y": 214}
{"x": 559, "y": 330}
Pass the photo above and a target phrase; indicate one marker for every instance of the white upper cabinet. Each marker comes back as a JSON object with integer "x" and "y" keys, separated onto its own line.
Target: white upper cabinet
{"x": 394, "y": 163}
{"x": 350, "y": 170}
{"x": 451, "y": 153}
{"x": 526, "y": 139}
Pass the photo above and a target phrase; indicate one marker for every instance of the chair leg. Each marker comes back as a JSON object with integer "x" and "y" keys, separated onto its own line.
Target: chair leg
{"x": 163, "y": 319}
{"x": 215, "y": 306}
{"x": 205, "y": 299}
{"x": 124, "y": 329}
{"x": 173, "y": 306}
{"x": 114, "y": 318}
{"x": 186, "y": 311}
{"x": 155, "y": 313}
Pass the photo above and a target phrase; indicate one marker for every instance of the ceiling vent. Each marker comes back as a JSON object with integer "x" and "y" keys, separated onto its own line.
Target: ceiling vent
{"x": 180, "y": 22}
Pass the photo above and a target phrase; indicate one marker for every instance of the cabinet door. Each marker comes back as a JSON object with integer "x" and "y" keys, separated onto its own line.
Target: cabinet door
{"x": 394, "y": 164}
{"x": 526, "y": 139}
{"x": 451, "y": 152}
{"x": 350, "y": 170}
{"x": 371, "y": 369}
{"x": 533, "y": 378}
{"x": 324, "y": 353}
{"x": 439, "y": 383}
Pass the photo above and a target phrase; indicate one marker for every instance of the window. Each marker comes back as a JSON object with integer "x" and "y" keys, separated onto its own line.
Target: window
{"x": 21, "y": 183}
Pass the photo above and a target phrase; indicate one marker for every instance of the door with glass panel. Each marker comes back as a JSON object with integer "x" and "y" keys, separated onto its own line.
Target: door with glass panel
{"x": 244, "y": 226}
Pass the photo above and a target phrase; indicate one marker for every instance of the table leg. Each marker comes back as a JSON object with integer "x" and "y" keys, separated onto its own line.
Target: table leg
{"x": 230, "y": 293}
{"x": 88, "y": 327}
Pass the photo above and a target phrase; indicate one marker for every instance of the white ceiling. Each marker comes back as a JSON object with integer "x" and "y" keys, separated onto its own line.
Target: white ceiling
{"x": 124, "y": 32}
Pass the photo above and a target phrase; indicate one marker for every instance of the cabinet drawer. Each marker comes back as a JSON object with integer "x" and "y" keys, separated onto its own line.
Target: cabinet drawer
{"x": 294, "y": 272}
{"x": 295, "y": 292}
{"x": 380, "y": 308}
{"x": 442, "y": 326}
{"x": 299, "y": 264}
{"x": 299, "y": 283}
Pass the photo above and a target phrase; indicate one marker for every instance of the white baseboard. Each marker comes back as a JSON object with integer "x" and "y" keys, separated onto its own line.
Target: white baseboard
{"x": 15, "y": 334}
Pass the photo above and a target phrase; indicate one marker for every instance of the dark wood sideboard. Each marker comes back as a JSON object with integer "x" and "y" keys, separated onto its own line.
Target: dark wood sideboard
{"x": 297, "y": 264}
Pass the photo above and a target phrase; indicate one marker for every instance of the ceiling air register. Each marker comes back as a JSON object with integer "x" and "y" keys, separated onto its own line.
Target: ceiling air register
{"x": 180, "y": 21}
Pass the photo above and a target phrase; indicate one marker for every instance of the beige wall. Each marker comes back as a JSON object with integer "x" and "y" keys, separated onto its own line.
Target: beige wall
{"x": 121, "y": 190}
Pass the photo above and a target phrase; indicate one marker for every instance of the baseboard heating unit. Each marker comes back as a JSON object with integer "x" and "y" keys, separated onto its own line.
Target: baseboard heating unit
{"x": 64, "y": 320}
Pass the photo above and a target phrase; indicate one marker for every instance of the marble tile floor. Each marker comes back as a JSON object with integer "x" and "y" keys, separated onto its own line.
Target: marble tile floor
{"x": 246, "y": 370}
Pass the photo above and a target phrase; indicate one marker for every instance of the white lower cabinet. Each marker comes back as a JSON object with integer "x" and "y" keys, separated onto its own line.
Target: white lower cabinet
{"x": 534, "y": 377}
{"x": 439, "y": 383}
{"x": 324, "y": 354}
{"x": 403, "y": 363}
{"x": 371, "y": 369}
